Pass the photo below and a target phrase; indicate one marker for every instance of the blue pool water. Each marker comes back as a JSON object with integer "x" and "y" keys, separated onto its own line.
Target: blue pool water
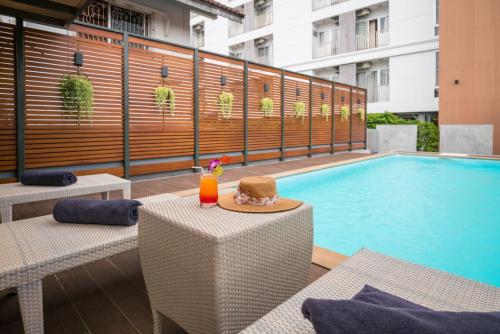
{"x": 439, "y": 212}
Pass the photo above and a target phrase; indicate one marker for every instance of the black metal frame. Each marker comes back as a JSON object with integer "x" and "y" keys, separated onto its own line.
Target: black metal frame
{"x": 350, "y": 119}
{"x": 196, "y": 106}
{"x": 332, "y": 151}
{"x": 282, "y": 114}
{"x": 126, "y": 114}
{"x": 245, "y": 113}
{"x": 310, "y": 116}
{"x": 20, "y": 94}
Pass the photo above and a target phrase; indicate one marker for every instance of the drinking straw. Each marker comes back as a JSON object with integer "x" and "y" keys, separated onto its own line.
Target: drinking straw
{"x": 201, "y": 168}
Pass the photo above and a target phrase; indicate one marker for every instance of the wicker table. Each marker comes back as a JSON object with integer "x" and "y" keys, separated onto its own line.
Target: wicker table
{"x": 217, "y": 271}
{"x": 16, "y": 193}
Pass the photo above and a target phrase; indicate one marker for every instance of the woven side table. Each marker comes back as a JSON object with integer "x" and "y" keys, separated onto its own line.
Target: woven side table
{"x": 217, "y": 271}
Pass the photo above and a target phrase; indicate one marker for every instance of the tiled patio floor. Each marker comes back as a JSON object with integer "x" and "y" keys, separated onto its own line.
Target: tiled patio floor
{"x": 109, "y": 296}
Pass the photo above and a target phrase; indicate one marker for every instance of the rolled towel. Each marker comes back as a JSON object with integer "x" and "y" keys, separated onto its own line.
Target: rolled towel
{"x": 356, "y": 316}
{"x": 48, "y": 178}
{"x": 86, "y": 211}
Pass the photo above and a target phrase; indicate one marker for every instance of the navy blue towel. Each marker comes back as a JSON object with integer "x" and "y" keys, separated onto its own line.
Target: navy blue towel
{"x": 86, "y": 211}
{"x": 392, "y": 314}
{"x": 48, "y": 178}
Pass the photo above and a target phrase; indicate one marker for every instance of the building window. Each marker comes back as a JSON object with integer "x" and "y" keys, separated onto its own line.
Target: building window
{"x": 103, "y": 14}
{"x": 436, "y": 18}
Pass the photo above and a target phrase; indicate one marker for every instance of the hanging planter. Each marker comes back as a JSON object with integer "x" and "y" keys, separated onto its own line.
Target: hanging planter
{"x": 344, "y": 113}
{"x": 361, "y": 114}
{"x": 77, "y": 96}
{"x": 165, "y": 99}
{"x": 267, "y": 106}
{"x": 325, "y": 111}
{"x": 299, "y": 109}
{"x": 225, "y": 101}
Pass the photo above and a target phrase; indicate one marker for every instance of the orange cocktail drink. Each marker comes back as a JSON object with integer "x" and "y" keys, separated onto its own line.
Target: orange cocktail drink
{"x": 209, "y": 192}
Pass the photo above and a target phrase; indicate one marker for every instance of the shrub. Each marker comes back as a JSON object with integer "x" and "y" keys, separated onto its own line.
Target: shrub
{"x": 225, "y": 101}
{"x": 344, "y": 113}
{"x": 385, "y": 118}
{"x": 267, "y": 106}
{"x": 165, "y": 96}
{"x": 428, "y": 137}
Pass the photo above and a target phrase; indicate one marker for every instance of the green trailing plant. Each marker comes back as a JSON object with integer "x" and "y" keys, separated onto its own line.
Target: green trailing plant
{"x": 225, "y": 101}
{"x": 299, "y": 109}
{"x": 267, "y": 106}
{"x": 165, "y": 98}
{"x": 344, "y": 113}
{"x": 77, "y": 95}
{"x": 361, "y": 114}
{"x": 325, "y": 111}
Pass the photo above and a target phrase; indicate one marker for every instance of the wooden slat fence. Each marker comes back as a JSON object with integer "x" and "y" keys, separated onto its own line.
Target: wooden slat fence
{"x": 160, "y": 140}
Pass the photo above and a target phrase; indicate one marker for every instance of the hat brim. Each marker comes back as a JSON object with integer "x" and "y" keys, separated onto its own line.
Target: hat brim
{"x": 284, "y": 204}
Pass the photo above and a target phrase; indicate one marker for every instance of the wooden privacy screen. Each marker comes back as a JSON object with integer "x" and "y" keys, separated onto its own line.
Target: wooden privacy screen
{"x": 159, "y": 140}
{"x": 54, "y": 139}
{"x": 8, "y": 153}
{"x": 157, "y": 133}
{"x": 322, "y": 123}
{"x": 264, "y": 132}
{"x": 342, "y": 127}
{"x": 296, "y": 128}
{"x": 217, "y": 134}
{"x": 358, "y": 118}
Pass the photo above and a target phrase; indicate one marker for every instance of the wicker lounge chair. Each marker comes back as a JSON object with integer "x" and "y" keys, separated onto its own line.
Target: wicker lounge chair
{"x": 428, "y": 287}
{"x": 31, "y": 249}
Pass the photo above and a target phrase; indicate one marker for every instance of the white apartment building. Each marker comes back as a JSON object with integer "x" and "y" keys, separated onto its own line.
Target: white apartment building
{"x": 390, "y": 47}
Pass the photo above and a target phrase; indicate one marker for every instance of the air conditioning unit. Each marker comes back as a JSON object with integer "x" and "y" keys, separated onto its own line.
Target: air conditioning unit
{"x": 260, "y": 41}
{"x": 260, "y": 3}
{"x": 363, "y": 12}
{"x": 198, "y": 27}
{"x": 365, "y": 65}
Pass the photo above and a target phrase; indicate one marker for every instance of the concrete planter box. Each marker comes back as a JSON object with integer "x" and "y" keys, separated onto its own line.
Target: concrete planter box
{"x": 466, "y": 139}
{"x": 386, "y": 138}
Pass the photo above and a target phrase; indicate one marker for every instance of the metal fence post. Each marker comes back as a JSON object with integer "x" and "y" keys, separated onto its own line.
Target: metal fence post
{"x": 282, "y": 113}
{"x": 366, "y": 119}
{"x": 126, "y": 118}
{"x": 332, "y": 150}
{"x": 350, "y": 118}
{"x": 310, "y": 115}
{"x": 196, "y": 106}
{"x": 20, "y": 94}
{"x": 245, "y": 113}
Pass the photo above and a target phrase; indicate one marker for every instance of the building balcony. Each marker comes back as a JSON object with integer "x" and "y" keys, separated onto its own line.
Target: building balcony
{"x": 378, "y": 94}
{"x": 372, "y": 40}
{"x": 263, "y": 17}
{"x": 318, "y": 4}
{"x": 326, "y": 49}
{"x": 235, "y": 28}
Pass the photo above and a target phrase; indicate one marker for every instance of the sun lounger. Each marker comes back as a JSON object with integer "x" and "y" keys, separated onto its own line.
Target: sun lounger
{"x": 17, "y": 193}
{"x": 424, "y": 286}
{"x": 34, "y": 248}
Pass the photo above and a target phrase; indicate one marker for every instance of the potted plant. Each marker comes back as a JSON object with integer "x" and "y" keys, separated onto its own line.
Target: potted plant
{"x": 344, "y": 113}
{"x": 267, "y": 106}
{"x": 165, "y": 98}
{"x": 325, "y": 111}
{"x": 299, "y": 109}
{"x": 225, "y": 101}
{"x": 77, "y": 95}
{"x": 361, "y": 114}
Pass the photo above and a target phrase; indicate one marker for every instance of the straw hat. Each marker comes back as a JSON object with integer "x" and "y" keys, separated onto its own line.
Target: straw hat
{"x": 257, "y": 194}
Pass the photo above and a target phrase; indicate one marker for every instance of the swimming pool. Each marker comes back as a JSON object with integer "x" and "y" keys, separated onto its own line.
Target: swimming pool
{"x": 443, "y": 213}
